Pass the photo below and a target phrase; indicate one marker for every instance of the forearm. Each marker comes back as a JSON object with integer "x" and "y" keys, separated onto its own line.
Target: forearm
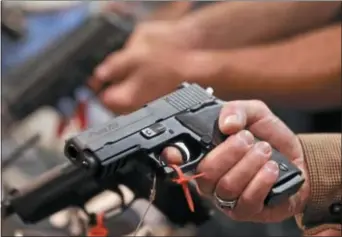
{"x": 303, "y": 72}
{"x": 170, "y": 11}
{"x": 235, "y": 24}
{"x": 322, "y": 153}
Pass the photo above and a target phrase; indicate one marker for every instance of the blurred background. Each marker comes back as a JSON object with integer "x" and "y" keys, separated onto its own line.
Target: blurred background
{"x": 37, "y": 39}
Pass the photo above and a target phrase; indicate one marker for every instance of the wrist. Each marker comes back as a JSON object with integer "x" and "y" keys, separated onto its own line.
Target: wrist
{"x": 304, "y": 192}
{"x": 322, "y": 154}
{"x": 200, "y": 67}
{"x": 190, "y": 34}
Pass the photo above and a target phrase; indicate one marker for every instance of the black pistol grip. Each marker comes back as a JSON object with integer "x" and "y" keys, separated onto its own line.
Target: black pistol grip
{"x": 290, "y": 177}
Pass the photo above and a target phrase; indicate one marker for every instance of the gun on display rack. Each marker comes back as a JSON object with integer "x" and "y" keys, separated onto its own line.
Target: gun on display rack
{"x": 65, "y": 65}
{"x": 132, "y": 143}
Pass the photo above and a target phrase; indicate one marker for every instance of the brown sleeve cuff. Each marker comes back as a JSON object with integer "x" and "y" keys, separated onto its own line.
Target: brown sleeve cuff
{"x": 322, "y": 154}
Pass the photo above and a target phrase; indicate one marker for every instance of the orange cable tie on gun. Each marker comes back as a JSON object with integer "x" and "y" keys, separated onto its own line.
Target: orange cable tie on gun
{"x": 99, "y": 229}
{"x": 80, "y": 113}
{"x": 183, "y": 180}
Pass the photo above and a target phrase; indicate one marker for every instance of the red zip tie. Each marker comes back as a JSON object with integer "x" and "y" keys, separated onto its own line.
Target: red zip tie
{"x": 61, "y": 127}
{"x": 99, "y": 229}
{"x": 184, "y": 180}
{"x": 81, "y": 113}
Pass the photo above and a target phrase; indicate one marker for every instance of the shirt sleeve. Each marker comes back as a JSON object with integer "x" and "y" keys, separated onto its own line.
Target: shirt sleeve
{"x": 322, "y": 153}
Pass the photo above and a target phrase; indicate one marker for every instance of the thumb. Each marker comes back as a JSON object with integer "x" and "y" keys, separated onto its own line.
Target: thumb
{"x": 232, "y": 118}
{"x": 115, "y": 67}
{"x": 124, "y": 97}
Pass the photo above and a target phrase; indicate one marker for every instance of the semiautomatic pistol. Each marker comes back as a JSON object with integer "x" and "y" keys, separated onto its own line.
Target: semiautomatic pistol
{"x": 188, "y": 116}
{"x": 127, "y": 149}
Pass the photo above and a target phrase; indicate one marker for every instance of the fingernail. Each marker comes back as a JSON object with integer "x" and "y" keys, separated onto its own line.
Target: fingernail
{"x": 263, "y": 147}
{"x": 232, "y": 120}
{"x": 271, "y": 167}
{"x": 246, "y": 136}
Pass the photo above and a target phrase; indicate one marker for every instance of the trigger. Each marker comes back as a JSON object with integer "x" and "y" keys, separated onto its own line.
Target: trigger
{"x": 183, "y": 150}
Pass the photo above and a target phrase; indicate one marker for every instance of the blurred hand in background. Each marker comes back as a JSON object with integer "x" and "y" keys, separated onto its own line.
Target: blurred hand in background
{"x": 268, "y": 51}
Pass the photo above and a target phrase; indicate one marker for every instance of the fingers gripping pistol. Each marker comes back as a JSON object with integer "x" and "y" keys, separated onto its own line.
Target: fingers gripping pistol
{"x": 188, "y": 115}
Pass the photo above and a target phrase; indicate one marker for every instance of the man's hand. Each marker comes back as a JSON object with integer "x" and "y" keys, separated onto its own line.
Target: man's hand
{"x": 159, "y": 34}
{"x": 152, "y": 64}
{"x": 240, "y": 169}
